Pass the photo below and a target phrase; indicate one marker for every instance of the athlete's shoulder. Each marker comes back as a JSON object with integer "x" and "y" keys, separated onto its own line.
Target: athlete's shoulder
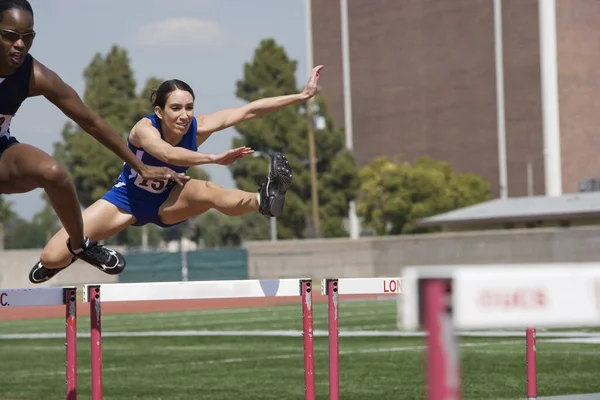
{"x": 154, "y": 120}
{"x": 39, "y": 67}
{"x": 45, "y": 80}
{"x": 141, "y": 128}
{"x": 147, "y": 121}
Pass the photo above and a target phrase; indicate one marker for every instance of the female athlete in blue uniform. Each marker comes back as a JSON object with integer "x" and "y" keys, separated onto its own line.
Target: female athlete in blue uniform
{"x": 170, "y": 137}
{"x": 23, "y": 167}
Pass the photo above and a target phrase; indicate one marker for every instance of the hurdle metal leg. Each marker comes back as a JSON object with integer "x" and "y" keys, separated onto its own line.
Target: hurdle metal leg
{"x": 443, "y": 365}
{"x": 531, "y": 364}
{"x": 308, "y": 333}
{"x": 96, "y": 341}
{"x": 331, "y": 290}
{"x": 70, "y": 300}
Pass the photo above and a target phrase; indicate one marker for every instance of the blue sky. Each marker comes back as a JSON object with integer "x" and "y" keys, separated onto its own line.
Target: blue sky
{"x": 203, "y": 42}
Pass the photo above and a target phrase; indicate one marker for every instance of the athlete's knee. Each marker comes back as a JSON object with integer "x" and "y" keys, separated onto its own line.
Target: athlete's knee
{"x": 54, "y": 174}
{"x": 55, "y": 257}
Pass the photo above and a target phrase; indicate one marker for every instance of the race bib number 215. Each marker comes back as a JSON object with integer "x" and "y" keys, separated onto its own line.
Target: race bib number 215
{"x": 155, "y": 185}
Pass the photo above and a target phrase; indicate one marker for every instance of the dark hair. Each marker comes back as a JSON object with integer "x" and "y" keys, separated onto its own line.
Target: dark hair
{"x": 159, "y": 96}
{"x": 6, "y": 5}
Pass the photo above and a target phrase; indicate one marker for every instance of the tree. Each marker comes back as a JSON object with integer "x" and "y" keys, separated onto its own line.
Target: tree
{"x": 6, "y": 213}
{"x": 220, "y": 230}
{"x": 110, "y": 91}
{"x": 272, "y": 73}
{"x": 394, "y": 195}
{"x": 23, "y": 234}
{"x": 46, "y": 220}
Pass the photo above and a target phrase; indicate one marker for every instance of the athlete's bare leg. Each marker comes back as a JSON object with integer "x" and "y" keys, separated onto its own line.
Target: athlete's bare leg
{"x": 102, "y": 220}
{"x": 196, "y": 197}
{"x": 24, "y": 168}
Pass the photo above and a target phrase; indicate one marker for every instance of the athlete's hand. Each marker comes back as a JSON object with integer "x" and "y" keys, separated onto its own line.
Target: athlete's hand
{"x": 231, "y": 156}
{"x": 151, "y": 173}
{"x": 312, "y": 86}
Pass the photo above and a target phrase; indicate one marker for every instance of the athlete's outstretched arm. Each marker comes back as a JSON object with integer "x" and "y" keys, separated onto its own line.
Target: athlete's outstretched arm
{"x": 220, "y": 120}
{"x": 63, "y": 96}
{"x": 146, "y": 136}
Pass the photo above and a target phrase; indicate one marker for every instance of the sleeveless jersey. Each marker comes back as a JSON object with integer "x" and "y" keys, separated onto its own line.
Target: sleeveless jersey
{"x": 133, "y": 181}
{"x": 14, "y": 89}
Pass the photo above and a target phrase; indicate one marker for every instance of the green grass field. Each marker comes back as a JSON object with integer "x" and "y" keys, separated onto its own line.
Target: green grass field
{"x": 270, "y": 367}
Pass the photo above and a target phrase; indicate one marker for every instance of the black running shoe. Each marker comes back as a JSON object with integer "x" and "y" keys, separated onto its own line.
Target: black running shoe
{"x": 41, "y": 274}
{"x": 272, "y": 192}
{"x": 103, "y": 258}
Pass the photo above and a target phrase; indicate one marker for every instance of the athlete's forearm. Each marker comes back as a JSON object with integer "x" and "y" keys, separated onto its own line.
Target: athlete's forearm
{"x": 268, "y": 105}
{"x": 186, "y": 158}
{"x": 50, "y": 85}
{"x": 105, "y": 134}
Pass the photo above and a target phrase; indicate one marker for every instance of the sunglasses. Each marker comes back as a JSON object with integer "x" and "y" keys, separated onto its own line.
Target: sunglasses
{"x": 12, "y": 36}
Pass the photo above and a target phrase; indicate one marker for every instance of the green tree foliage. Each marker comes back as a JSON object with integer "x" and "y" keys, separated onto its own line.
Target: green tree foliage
{"x": 6, "y": 213}
{"x": 23, "y": 234}
{"x": 110, "y": 91}
{"x": 17, "y": 233}
{"x": 394, "y": 195}
{"x": 46, "y": 220}
{"x": 219, "y": 230}
{"x": 272, "y": 73}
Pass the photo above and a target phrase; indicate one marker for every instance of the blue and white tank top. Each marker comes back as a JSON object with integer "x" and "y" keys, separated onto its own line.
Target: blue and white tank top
{"x": 133, "y": 180}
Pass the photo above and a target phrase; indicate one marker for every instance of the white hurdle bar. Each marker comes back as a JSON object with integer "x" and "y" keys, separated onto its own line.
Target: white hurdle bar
{"x": 335, "y": 287}
{"x": 197, "y": 290}
{"x": 52, "y": 296}
{"x": 446, "y": 299}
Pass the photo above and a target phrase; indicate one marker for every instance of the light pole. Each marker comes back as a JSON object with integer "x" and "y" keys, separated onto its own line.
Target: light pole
{"x": 352, "y": 218}
{"x": 312, "y": 158}
{"x": 500, "y": 99}
{"x": 550, "y": 107}
{"x": 530, "y": 160}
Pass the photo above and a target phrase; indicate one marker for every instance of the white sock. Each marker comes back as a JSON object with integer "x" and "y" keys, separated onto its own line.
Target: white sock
{"x": 258, "y": 197}
{"x": 80, "y": 249}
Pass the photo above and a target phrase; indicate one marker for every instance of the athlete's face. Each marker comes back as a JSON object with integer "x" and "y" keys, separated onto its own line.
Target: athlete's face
{"x": 178, "y": 112}
{"x": 16, "y": 38}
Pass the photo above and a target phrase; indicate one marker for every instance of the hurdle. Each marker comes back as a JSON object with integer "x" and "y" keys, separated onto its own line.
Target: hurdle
{"x": 498, "y": 296}
{"x": 96, "y": 294}
{"x": 332, "y": 288}
{"x": 52, "y": 296}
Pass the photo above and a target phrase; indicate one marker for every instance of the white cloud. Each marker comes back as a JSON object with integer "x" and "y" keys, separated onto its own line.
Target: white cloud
{"x": 181, "y": 32}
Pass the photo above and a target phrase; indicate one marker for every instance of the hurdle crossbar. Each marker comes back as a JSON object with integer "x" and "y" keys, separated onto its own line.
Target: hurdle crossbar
{"x": 95, "y": 294}
{"x": 333, "y": 287}
{"x": 52, "y": 296}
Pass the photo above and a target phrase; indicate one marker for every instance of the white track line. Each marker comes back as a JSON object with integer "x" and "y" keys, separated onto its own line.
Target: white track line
{"x": 590, "y": 340}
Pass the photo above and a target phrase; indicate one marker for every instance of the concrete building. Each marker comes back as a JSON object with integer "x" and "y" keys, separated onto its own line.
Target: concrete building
{"x": 424, "y": 83}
